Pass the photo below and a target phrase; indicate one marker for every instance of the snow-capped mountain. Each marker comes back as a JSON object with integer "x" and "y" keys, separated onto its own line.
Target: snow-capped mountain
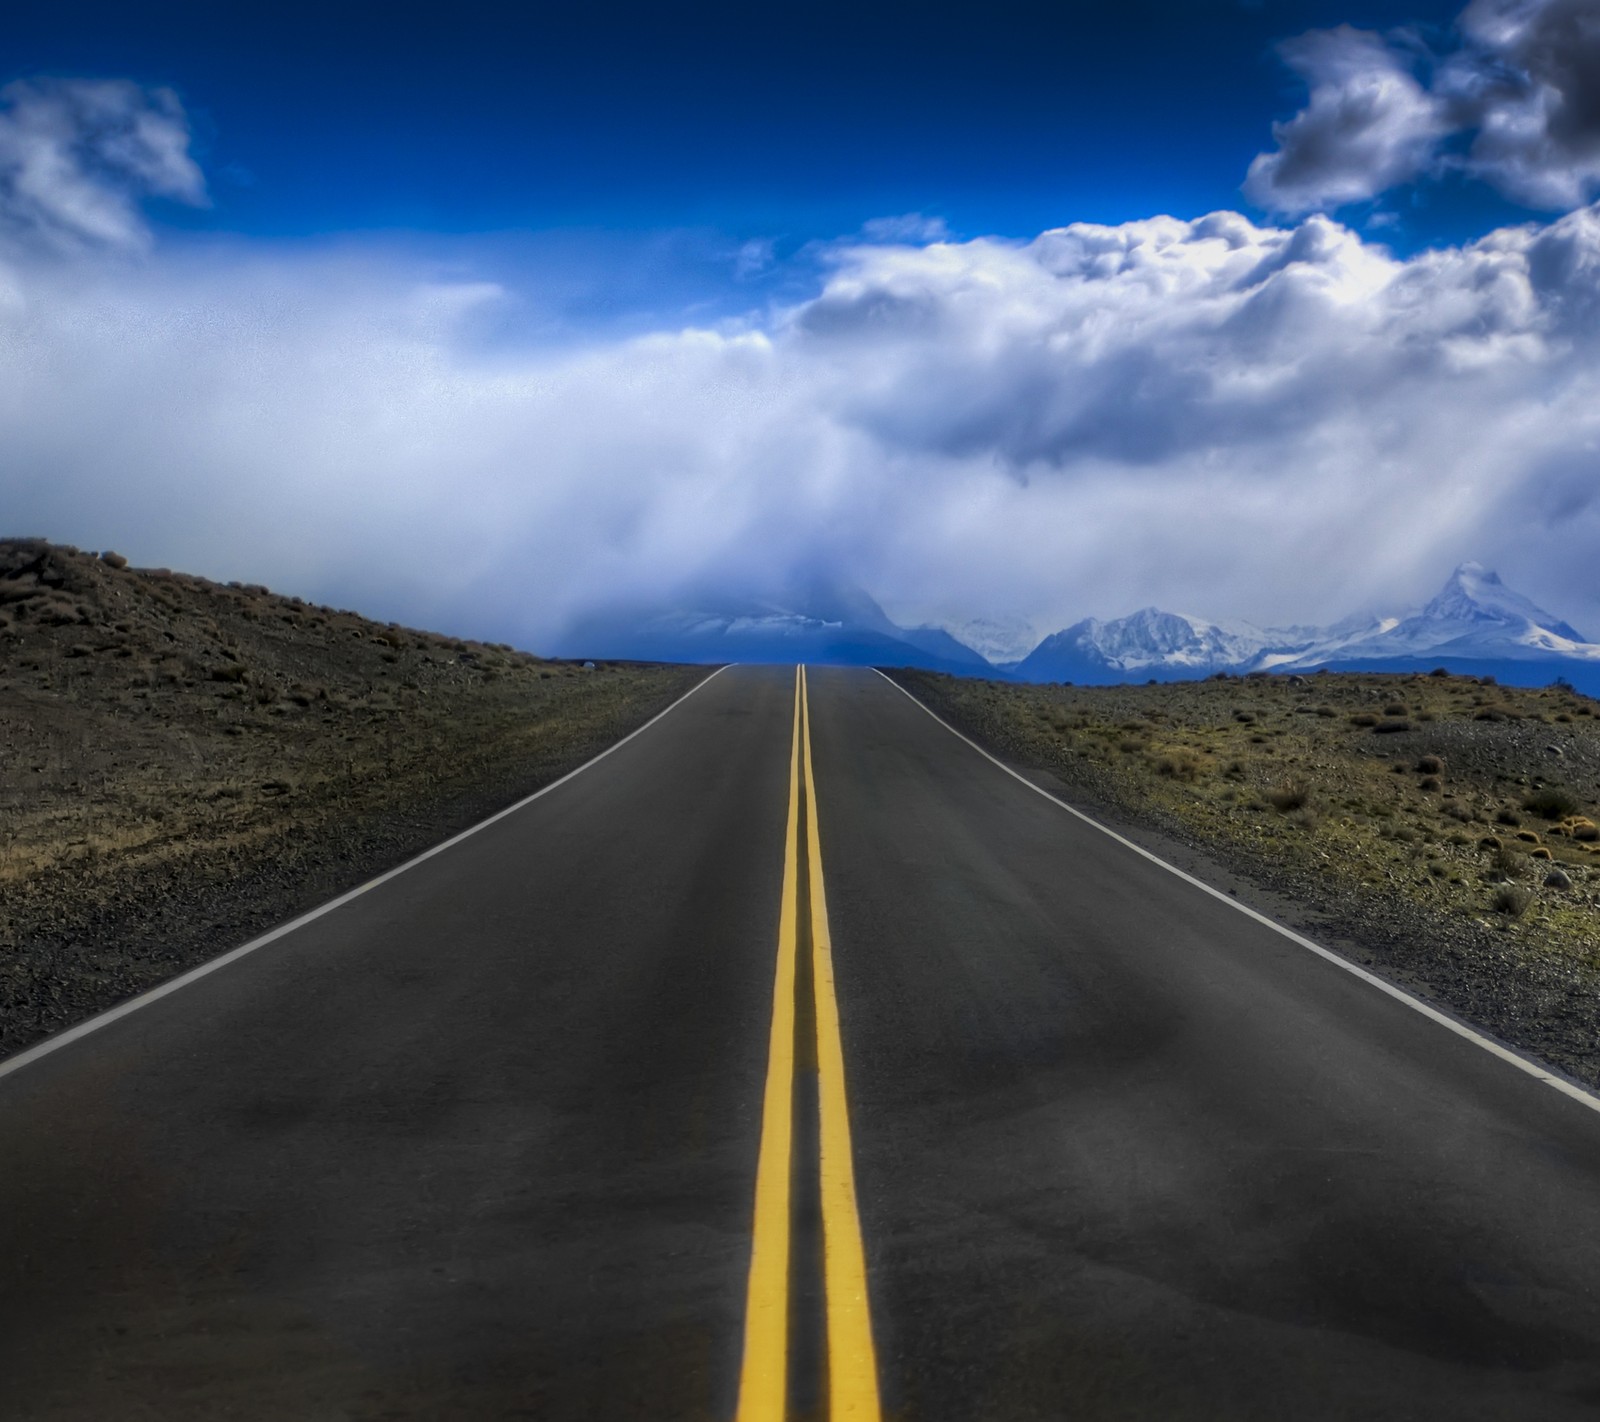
{"x": 1475, "y": 621}
{"x": 999, "y": 640}
{"x": 1150, "y": 642}
{"x": 1476, "y": 615}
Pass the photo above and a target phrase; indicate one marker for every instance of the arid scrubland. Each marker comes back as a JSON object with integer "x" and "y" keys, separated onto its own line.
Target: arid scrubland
{"x": 183, "y": 764}
{"x": 1443, "y": 830}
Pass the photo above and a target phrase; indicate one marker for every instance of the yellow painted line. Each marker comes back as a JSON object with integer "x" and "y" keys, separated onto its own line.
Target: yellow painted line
{"x": 764, "y": 1374}
{"x": 852, "y": 1360}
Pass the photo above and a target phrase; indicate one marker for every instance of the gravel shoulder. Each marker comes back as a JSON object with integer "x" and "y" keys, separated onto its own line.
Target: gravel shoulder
{"x": 185, "y": 764}
{"x": 1453, "y": 851}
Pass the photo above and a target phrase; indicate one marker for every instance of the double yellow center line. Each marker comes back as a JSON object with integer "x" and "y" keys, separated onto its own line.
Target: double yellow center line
{"x": 852, "y": 1363}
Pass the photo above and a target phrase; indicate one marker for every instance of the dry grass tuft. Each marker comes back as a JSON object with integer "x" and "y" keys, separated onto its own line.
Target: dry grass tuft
{"x": 1291, "y": 796}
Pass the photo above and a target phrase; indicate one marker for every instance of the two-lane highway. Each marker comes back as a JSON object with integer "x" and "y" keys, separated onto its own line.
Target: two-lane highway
{"x": 790, "y": 1058}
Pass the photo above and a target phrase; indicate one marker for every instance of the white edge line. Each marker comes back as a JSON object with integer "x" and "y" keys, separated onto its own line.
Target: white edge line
{"x": 172, "y": 985}
{"x": 1539, "y": 1073}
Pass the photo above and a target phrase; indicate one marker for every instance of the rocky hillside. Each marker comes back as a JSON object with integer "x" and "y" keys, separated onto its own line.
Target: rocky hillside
{"x": 183, "y": 763}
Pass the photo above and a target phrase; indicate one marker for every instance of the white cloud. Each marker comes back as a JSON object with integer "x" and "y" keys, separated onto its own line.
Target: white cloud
{"x": 1519, "y": 97}
{"x": 1531, "y": 86}
{"x": 913, "y": 227}
{"x": 1279, "y": 423}
{"x": 1369, "y": 125}
{"x": 77, "y": 155}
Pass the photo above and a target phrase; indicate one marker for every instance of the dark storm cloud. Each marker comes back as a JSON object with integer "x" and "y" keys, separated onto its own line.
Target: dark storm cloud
{"x": 1516, "y": 103}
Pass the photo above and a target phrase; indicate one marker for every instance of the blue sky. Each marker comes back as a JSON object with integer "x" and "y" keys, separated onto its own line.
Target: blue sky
{"x": 489, "y": 317}
{"x": 747, "y": 121}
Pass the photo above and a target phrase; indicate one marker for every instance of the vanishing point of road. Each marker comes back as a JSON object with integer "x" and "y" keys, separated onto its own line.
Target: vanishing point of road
{"x": 792, "y": 1060}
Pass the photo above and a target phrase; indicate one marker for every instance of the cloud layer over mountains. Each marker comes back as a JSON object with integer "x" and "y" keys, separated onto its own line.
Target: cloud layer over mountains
{"x": 1275, "y": 423}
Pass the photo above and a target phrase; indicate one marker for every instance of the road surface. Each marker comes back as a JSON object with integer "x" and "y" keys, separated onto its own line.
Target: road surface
{"x": 791, "y": 1060}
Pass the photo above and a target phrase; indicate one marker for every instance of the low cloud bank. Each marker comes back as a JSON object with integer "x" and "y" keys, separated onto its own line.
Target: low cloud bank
{"x": 1278, "y": 423}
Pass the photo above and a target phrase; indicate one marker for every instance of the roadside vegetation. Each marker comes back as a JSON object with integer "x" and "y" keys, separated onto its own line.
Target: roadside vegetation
{"x": 1446, "y": 827}
{"x": 183, "y": 764}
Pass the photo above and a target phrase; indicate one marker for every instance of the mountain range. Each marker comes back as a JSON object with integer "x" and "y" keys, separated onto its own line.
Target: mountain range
{"x": 1476, "y": 625}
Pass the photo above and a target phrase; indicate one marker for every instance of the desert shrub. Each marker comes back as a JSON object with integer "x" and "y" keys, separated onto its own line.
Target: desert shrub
{"x": 1288, "y": 797}
{"x": 1429, "y": 782}
{"x": 1512, "y": 900}
{"x": 1439, "y": 869}
{"x": 1430, "y": 765}
{"x": 1527, "y": 836}
{"x": 1552, "y": 802}
{"x": 1540, "y": 853}
{"x": 1585, "y": 830}
{"x": 113, "y": 560}
{"x": 1440, "y": 671}
{"x": 1305, "y": 818}
{"x": 1489, "y": 841}
{"x": 228, "y": 671}
{"x": 1327, "y": 712}
{"x": 1363, "y": 718}
{"x": 1397, "y": 708}
{"x": 1507, "y": 816}
{"x": 1386, "y": 728}
{"x": 1508, "y": 863}
{"x": 1182, "y": 765}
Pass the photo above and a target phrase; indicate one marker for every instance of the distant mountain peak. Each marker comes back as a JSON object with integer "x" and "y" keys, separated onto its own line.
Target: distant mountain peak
{"x": 1474, "y": 595}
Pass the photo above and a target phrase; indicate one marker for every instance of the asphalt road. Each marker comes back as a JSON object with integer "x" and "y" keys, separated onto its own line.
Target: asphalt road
{"x": 485, "y": 1140}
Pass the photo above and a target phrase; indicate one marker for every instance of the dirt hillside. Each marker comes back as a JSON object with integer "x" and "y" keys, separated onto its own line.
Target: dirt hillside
{"x": 183, "y": 763}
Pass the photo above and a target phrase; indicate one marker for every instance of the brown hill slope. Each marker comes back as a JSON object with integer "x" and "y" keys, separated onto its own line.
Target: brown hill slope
{"x": 1441, "y": 829}
{"x": 183, "y": 764}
